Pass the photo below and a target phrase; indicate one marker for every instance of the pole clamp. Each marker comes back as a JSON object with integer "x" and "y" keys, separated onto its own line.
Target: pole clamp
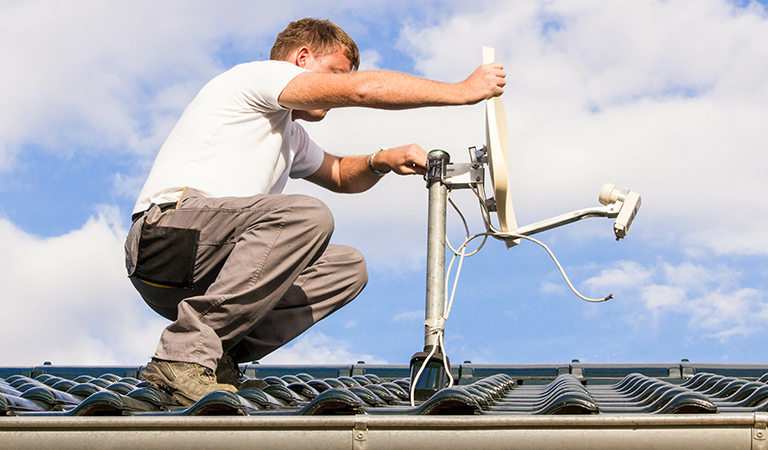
{"x": 437, "y": 161}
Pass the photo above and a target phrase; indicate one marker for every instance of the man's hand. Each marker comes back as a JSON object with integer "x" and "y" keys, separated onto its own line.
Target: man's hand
{"x": 404, "y": 160}
{"x": 485, "y": 82}
{"x": 351, "y": 174}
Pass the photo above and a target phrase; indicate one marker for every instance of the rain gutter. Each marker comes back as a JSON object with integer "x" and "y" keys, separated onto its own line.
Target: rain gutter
{"x": 371, "y": 432}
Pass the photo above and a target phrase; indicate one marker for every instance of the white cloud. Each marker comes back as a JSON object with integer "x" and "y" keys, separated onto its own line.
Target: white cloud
{"x": 627, "y": 274}
{"x": 68, "y": 300}
{"x": 711, "y": 299}
{"x": 409, "y": 316}
{"x": 548, "y": 287}
{"x": 664, "y": 298}
{"x": 128, "y": 187}
{"x": 115, "y": 76}
{"x": 370, "y": 59}
{"x": 317, "y": 348}
{"x": 666, "y": 98}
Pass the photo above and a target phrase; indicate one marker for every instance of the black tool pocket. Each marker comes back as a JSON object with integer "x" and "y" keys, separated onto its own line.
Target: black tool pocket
{"x": 166, "y": 256}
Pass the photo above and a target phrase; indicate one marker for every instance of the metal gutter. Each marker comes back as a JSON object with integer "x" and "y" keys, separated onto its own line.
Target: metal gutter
{"x": 364, "y": 432}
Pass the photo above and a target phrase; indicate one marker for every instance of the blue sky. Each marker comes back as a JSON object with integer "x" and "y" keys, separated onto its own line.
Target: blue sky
{"x": 665, "y": 98}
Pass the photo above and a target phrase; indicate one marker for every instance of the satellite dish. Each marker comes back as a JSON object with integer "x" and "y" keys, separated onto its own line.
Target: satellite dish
{"x": 497, "y": 142}
{"x": 441, "y": 173}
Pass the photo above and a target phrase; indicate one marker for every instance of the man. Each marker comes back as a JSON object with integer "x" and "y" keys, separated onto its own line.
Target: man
{"x": 239, "y": 268}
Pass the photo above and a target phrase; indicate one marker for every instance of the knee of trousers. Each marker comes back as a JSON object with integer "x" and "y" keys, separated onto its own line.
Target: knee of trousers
{"x": 314, "y": 214}
{"x": 358, "y": 270}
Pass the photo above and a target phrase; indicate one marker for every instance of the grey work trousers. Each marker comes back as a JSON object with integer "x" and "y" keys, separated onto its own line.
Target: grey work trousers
{"x": 260, "y": 272}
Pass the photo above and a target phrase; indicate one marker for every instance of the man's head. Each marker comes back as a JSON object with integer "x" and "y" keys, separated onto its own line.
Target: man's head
{"x": 321, "y": 37}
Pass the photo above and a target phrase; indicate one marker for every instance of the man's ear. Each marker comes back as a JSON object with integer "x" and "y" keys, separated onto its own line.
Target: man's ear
{"x": 303, "y": 54}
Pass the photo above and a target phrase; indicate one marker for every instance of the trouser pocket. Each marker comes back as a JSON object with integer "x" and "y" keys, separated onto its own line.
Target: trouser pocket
{"x": 166, "y": 256}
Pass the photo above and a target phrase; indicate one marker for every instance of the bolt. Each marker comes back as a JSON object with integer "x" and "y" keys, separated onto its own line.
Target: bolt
{"x": 360, "y": 435}
{"x": 759, "y": 435}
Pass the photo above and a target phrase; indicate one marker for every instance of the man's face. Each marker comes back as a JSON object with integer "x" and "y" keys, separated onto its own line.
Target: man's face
{"x": 331, "y": 63}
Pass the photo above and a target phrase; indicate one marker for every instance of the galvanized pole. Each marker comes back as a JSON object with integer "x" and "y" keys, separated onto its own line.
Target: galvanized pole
{"x": 438, "y": 199}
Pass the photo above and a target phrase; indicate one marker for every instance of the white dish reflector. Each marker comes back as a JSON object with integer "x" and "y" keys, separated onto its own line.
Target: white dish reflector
{"x": 497, "y": 142}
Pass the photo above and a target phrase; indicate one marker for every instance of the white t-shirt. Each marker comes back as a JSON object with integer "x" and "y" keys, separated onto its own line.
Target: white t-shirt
{"x": 234, "y": 140}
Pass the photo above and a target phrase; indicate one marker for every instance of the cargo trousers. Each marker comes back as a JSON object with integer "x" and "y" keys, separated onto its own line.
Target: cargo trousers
{"x": 243, "y": 275}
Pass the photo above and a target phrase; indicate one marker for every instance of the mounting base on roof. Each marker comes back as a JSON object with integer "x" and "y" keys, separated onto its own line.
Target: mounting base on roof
{"x": 433, "y": 377}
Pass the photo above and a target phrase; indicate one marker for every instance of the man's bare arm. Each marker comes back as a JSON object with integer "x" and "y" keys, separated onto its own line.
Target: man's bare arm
{"x": 389, "y": 90}
{"x": 351, "y": 174}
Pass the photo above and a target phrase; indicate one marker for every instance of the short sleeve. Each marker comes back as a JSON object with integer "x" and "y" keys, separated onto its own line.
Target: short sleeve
{"x": 263, "y": 81}
{"x": 308, "y": 156}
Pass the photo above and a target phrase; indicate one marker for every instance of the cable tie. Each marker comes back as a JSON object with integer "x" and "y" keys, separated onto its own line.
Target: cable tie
{"x": 435, "y": 325}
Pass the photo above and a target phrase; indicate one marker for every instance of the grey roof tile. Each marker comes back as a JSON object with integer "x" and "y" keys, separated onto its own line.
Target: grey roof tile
{"x": 545, "y": 390}
{"x": 547, "y": 406}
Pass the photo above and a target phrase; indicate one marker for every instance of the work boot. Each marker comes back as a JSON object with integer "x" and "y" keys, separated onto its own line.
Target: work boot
{"x": 187, "y": 382}
{"x": 228, "y": 372}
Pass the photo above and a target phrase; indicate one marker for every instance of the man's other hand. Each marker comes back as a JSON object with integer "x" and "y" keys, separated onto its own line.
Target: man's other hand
{"x": 408, "y": 159}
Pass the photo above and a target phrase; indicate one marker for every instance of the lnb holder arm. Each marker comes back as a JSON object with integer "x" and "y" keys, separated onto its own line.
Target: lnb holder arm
{"x": 565, "y": 219}
{"x": 619, "y": 205}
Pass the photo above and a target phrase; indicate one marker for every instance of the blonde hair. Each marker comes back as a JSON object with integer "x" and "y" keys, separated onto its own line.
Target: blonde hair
{"x": 321, "y": 36}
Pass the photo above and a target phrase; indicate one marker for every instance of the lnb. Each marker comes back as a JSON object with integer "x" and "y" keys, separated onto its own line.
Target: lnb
{"x": 626, "y": 202}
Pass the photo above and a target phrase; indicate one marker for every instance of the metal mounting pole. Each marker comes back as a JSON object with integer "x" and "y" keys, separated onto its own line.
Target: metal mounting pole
{"x": 427, "y": 372}
{"x": 438, "y": 199}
